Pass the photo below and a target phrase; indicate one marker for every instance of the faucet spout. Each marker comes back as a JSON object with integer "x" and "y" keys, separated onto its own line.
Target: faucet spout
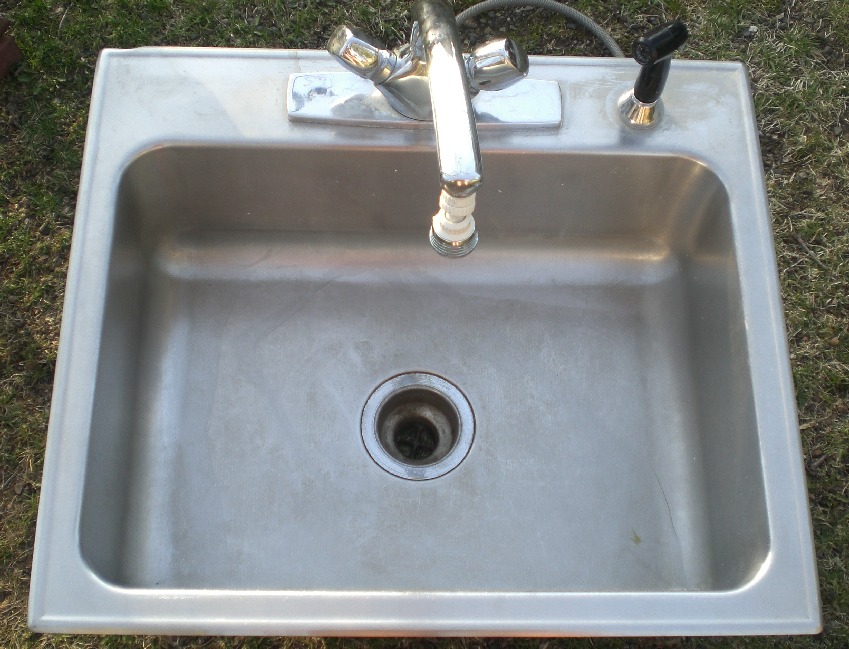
{"x": 430, "y": 79}
{"x": 450, "y": 96}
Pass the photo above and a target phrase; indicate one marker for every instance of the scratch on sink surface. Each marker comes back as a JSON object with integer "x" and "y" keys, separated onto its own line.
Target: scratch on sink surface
{"x": 666, "y": 500}
{"x": 301, "y": 303}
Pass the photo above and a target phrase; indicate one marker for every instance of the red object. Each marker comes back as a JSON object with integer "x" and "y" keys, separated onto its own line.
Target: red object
{"x": 9, "y": 52}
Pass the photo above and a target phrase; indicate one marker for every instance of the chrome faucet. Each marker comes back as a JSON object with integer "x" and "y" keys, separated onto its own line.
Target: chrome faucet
{"x": 429, "y": 78}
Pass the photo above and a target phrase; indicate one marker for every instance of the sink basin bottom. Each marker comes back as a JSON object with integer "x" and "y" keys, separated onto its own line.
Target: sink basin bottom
{"x": 249, "y": 469}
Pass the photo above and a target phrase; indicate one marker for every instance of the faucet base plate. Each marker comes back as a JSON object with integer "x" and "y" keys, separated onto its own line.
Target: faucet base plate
{"x": 344, "y": 98}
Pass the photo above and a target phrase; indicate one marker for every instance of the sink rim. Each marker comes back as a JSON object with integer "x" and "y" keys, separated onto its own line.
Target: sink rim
{"x": 382, "y": 613}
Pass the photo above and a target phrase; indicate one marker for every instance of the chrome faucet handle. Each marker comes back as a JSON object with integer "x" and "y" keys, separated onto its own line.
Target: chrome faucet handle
{"x": 361, "y": 54}
{"x": 416, "y": 45}
{"x": 496, "y": 65}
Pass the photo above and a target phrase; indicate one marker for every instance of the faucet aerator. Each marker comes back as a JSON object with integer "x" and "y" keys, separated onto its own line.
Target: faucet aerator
{"x": 452, "y": 232}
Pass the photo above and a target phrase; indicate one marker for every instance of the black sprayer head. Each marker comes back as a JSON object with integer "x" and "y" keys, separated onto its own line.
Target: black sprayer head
{"x": 653, "y": 51}
{"x": 660, "y": 42}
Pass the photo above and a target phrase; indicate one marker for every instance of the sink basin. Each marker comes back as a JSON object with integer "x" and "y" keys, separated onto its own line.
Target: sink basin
{"x": 242, "y": 285}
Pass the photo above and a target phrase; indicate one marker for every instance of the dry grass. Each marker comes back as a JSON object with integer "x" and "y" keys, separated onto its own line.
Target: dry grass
{"x": 798, "y": 58}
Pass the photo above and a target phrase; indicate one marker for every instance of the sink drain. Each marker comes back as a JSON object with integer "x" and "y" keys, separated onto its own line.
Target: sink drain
{"x": 418, "y": 426}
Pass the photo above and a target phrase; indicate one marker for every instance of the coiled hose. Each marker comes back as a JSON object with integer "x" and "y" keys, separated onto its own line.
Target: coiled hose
{"x": 572, "y": 14}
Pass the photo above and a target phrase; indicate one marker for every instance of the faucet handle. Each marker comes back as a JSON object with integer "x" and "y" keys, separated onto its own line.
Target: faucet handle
{"x": 416, "y": 45}
{"x": 361, "y": 54}
{"x": 496, "y": 65}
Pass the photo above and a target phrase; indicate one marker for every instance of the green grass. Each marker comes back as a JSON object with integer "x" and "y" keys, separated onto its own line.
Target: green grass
{"x": 798, "y": 60}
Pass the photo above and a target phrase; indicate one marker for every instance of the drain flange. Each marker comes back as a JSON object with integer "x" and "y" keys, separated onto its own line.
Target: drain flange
{"x": 417, "y": 426}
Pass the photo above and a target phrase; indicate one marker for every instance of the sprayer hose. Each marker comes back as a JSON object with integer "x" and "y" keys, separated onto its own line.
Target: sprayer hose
{"x": 572, "y": 14}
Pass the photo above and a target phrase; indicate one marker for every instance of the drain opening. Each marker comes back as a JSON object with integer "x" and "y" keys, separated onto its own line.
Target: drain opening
{"x": 415, "y": 438}
{"x": 417, "y": 426}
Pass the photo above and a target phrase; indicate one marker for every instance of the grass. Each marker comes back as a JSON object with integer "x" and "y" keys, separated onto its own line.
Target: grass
{"x": 798, "y": 60}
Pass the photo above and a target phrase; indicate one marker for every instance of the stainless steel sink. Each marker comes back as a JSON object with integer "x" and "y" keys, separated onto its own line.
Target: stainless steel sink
{"x": 240, "y": 286}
